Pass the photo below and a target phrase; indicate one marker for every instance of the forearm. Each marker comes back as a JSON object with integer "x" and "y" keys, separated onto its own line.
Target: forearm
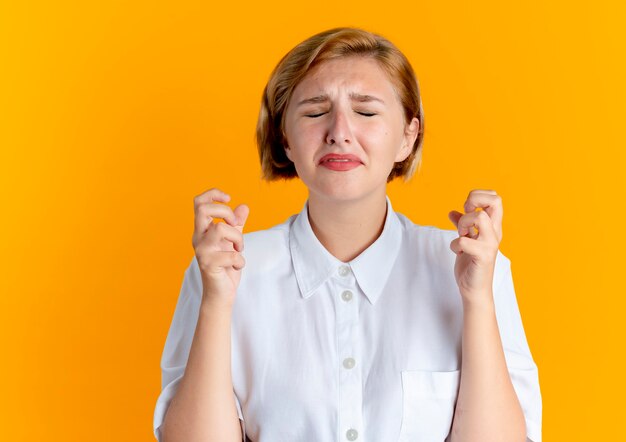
{"x": 204, "y": 408}
{"x": 487, "y": 407}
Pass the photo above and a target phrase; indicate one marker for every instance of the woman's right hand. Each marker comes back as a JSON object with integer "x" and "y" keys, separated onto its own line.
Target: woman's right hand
{"x": 218, "y": 245}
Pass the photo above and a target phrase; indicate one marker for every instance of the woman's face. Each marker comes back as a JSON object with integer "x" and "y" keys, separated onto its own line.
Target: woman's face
{"x": 345, "y": 129}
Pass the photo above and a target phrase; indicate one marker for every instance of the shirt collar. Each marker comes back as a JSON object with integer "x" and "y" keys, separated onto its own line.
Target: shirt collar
{"x": 313, "y": 264}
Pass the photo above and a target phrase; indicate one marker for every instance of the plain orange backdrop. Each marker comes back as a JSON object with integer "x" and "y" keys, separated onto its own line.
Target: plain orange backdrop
{"x": 114, "y": 115}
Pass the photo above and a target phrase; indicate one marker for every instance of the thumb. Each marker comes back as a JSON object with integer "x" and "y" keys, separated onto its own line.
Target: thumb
{"x": 454, "y": 216}
{"x": 241, "y": 214}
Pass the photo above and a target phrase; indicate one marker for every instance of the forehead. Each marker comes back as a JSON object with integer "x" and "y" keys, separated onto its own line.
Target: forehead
{"x": 349, "y": 75}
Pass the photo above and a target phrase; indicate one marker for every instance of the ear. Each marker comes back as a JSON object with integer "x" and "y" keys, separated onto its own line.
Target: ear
{"x": 288, "y": 152}
{"x": 286, "y": 147}
{"x": 410, "y": 135}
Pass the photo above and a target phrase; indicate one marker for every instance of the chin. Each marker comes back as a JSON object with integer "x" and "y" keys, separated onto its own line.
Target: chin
{"x": 342, "y": 187}
{"x": 341, "y": 193}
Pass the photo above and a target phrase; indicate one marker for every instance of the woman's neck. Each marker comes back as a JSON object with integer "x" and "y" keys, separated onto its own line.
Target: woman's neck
{"x": 347, "y": 228}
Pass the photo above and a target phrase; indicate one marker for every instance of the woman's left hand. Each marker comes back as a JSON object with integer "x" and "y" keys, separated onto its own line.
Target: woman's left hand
{"x": 476, "y": 251}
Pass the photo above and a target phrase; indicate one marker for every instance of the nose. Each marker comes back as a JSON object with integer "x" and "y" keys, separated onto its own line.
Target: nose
{"x": 339, "y": 130}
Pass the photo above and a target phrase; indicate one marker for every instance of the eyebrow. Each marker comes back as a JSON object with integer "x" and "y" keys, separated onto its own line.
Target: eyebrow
{"x": 354, "y": 96}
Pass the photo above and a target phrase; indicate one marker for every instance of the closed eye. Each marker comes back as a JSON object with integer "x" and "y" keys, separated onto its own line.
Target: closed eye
{"x": 365, "y": 114}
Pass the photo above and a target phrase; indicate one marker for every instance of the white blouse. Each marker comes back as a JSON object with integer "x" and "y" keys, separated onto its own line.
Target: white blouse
{"x": 368, "y": 350}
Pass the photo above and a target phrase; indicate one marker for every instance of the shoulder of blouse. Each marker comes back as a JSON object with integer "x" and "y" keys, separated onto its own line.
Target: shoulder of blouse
{"x": 271, "y": 234}
{"x": 263, "y": 247}
{"x": 438, "y": 239}
{"x": 425, "y": 232}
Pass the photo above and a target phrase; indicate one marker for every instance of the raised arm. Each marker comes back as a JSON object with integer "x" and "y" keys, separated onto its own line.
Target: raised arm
{"x": 487, "y": 406}
{"x": 204, "y": 408}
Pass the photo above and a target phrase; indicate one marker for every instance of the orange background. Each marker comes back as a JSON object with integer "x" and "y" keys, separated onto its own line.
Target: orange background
{"x": 114, "y": 115}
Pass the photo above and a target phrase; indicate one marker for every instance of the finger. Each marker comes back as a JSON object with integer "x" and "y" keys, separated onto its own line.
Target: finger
{"x": 466, "y": 223}
{"x": 463, "y": 244}
{"x": 201, "y": 222}
{"x": 239, "y": 261}
{"x": 218, "y": 261}
{"x": 489, "y": 201}
{"x": 220, "y": 232}
{"x": 209, "y": 211}
{"x": 212, "y": 195}
{"x": 241, "y": 215}
{"x": 481, "y": 199}
{"x": 489, "y": 191}
{"x": 479, "y": 221}
{"x": 454, "y": 216}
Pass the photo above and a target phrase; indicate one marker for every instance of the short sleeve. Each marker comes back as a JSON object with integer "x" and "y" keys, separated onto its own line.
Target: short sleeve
{"x": 178, "y": 343}
{"x": 520, "y": 363}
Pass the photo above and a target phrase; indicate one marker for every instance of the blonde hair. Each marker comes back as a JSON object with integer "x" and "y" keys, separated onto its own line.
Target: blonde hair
{"x": 293, "y": 67}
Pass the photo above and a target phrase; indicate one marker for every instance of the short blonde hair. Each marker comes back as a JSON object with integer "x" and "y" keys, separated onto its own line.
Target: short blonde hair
{"x": 293, "y": 67}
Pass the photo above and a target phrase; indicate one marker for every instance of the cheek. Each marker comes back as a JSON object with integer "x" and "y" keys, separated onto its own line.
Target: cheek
{"x": 376, "y": 137}
{"x": 304, "y": 140}
{"x": 311, "y": 132}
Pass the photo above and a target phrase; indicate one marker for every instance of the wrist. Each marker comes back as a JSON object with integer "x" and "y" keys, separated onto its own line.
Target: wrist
{"x": 482, "y": 303}
{"x": 210, "y": 303}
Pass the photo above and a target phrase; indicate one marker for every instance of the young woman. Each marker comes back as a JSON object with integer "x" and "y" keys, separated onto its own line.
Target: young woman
{"x": 347, "y": 322}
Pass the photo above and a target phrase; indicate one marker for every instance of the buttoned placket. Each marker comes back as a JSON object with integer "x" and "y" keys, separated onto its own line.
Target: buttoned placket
{"x": 349, "y": 355}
